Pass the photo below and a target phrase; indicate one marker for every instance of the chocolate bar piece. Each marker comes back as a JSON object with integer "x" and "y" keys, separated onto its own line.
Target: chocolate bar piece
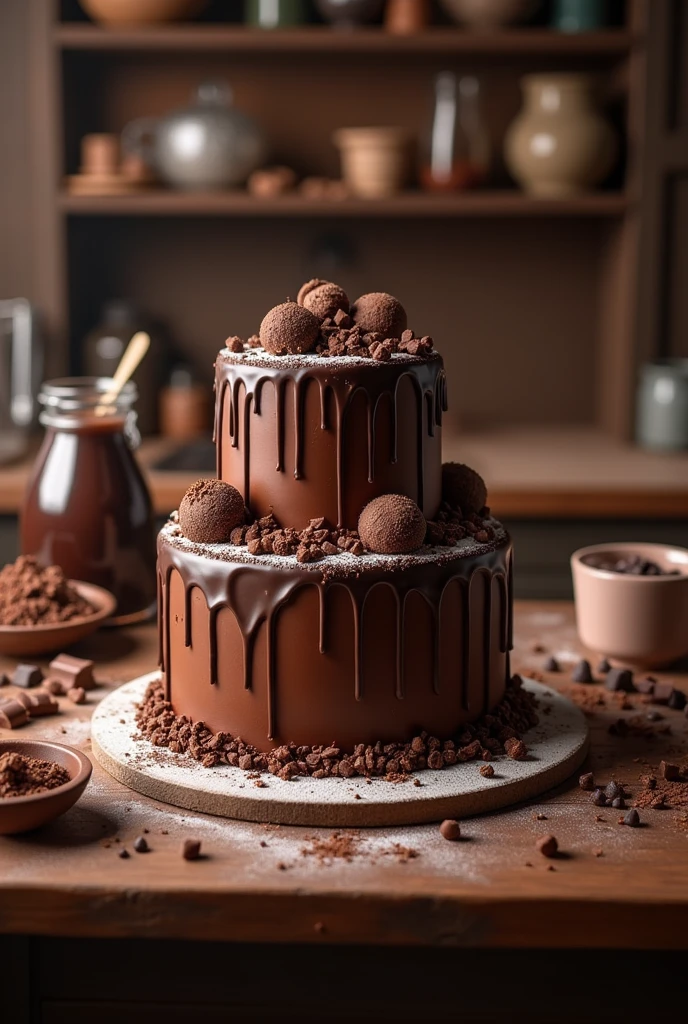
{"x": 72, "y": 672}
{"x": 38, "y": 704}
{"x": 27, "y": 676}
{"x": 13, "y": 714}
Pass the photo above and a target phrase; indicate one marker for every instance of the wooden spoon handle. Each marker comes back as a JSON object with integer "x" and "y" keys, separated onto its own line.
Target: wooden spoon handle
{"x": 134, "y": 353}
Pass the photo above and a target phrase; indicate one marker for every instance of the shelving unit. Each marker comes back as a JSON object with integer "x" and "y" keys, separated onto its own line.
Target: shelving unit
{"x": 542, "y": 309}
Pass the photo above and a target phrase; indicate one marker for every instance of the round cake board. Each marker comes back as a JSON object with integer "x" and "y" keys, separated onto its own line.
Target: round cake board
{"x": 557, "y": 746}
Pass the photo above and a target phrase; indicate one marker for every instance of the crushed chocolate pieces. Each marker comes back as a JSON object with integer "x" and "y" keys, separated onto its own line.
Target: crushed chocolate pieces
{"x": 394, "y": 762}
{"x": 28, "y": 776}
{"x": 32, "y": 595}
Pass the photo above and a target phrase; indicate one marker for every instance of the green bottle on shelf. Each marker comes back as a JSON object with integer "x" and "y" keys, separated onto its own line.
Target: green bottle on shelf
{"x": 275, "y": 13}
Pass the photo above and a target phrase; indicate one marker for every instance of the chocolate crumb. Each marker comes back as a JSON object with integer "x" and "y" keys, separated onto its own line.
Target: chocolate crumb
{"x": 191, "y": 849}
{"x": 450, "y": 829}
{"x": 22, "y": 776}
{"x": 548, "y": 846}
{"x": 487, "y": 771}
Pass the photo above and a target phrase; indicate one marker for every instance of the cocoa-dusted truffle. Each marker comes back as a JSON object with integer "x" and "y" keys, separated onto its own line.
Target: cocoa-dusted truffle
{"x": 289, "y": 329}
{"x": 210, "y": 510}
{"x": 392, "y": 525}
{"x": 322, "y": 298}
{"x": 380, "y": 313}
{"x": 463, "y": 488}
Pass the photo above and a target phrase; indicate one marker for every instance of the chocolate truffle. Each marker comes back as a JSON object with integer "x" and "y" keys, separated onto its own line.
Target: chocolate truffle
{"x": 392, "y": 525}
{"x": 210, "y": 510}
{"x": 380, "y": 313}
{"x": 322, "y": 298}
{"x": 463, "y": 488}
{"x": 289, "y": 329}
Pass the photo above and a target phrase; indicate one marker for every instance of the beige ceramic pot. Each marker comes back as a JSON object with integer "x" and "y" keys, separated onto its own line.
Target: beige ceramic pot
{"x": 375, "y": 161}
{"x": 559, "y": 144}
{"x": 638, "y": 620}
{"x": 141, "y": 12}
{"x": 487, "y": 15}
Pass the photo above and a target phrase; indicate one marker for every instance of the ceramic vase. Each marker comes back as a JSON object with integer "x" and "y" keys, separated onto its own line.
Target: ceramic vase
{"x": 559, "y": 144}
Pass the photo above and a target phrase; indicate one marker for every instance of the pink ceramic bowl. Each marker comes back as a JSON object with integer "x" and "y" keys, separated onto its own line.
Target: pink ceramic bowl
{"x": 638, "y": 620}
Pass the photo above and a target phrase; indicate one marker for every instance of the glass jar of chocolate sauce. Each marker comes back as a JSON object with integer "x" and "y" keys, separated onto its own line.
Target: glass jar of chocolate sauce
{"x": 87, "y": 508}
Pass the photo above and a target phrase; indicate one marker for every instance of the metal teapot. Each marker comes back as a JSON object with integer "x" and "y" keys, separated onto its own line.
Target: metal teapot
{"x": 207, "y": 145}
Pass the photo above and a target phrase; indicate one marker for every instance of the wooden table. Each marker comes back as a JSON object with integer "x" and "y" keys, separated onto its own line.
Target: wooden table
{"x": 613, "y": 888}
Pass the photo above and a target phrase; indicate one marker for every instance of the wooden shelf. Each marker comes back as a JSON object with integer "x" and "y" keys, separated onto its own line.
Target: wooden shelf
{"x": 321, "y": 39}
{"x": 411, "y": 204}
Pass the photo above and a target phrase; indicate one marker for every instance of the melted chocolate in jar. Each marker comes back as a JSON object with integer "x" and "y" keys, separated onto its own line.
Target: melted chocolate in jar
{"x": 88, "y": 510}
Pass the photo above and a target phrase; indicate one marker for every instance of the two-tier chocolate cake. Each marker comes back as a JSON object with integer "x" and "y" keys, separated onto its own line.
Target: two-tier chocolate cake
{"x": 336, "y": 584}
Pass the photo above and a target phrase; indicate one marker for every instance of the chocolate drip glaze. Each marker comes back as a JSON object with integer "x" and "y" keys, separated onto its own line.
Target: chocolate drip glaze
{"x": 257, "y": 591}
{"x": 339, "y": 386}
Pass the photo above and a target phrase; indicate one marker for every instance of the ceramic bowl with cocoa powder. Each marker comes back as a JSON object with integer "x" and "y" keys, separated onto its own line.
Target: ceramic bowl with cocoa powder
{"x": 43, "y": 638}
{"x": 24, "y": 813}
{"x": 637, "y": 617}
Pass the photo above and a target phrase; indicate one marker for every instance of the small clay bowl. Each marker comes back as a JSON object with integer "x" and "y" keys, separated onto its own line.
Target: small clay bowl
{"x": 23, "y": 813}
{"x": 28, "y": 641}
{"x": 638, "y": 620}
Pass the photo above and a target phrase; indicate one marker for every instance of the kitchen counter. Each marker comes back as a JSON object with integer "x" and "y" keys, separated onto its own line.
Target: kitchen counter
{"x": 612, "y": 886}
{"x": 563, "y": 472}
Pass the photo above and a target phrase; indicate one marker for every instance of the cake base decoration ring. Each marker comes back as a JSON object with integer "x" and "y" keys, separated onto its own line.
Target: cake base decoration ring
{"x": 557, "y": 747}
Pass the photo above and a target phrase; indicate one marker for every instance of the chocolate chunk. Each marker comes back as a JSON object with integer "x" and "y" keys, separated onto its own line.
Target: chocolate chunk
{"x": 72, "y": 672}
{"x": 13, "y": 714}
{"x": 547, "y": 845}
{"x": 191, "y": 849}
{"x": 662, "y": 693}
{"x": 141, "y": 844}
{"x": 516, "y": 749}
{"x": 619, "y": 679}
{"x": 603, "y": 667}
{"x": 677, "y": 700}
{"x": 27, "y": 676}
{"x": 670, "y": 772}
{"x": 587, "y": 781}
{"x": 632, "y": 818}
{"x": 77, "y": 695}
{"x": 38, "y": 704}
{"x": 582, "y": 672}
{"x": 450, "y": 829}
{"x": 551, "y": 665}
{"x": 598, "y": 798}
{"x": 645, "y": 686}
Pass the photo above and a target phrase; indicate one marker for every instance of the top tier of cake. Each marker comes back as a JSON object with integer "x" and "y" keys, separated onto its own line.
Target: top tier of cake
{"x": 309, "y": 437}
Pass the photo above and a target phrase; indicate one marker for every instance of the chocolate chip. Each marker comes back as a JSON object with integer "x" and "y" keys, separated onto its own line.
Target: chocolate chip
{"x": 487, "y": 771}
{"x": 632, "y": 818}
{"x": 598, "y": 798}
{"x": 141, "y": 844}
{"x": 191, "y": 849}
{"x": 547, "y": 845}
{"x": 662, "y": 693}
{"x": 677, "y": 700}
{"x": 587, "y": 781}
{"x": 27, "y": 676}
{"x": 450, "y": 829}
{"x": 603, "y": 667}
{"x": 669, "y": 771}
{"x": 582, "y": 672}
{"x": 619, "y": 679}
{"x": 124, "y": 854}
{"x": 613, "y": 790}
{"x": 618, "y": 803}
{"x": 551, "y": 665}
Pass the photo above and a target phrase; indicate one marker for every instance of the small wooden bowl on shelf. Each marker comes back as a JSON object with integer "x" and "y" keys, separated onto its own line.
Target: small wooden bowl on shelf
{"x": 23, "y": 813}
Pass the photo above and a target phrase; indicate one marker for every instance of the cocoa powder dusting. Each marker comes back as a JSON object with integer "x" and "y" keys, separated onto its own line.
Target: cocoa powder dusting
{"x": 27, "y": 776}
{"x": 32, "y": 595}
{"x": 493, "y": 734}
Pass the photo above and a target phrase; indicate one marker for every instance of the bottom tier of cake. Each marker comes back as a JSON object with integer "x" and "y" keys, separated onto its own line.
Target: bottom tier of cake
{"x": 347, "y": 650}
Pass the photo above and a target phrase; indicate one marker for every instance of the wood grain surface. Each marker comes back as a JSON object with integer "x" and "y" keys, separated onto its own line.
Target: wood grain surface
{"x": 612, "y": 886}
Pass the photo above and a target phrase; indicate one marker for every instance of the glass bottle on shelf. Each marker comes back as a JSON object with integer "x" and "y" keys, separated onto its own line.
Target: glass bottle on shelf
{"x": 459, "y": 151}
